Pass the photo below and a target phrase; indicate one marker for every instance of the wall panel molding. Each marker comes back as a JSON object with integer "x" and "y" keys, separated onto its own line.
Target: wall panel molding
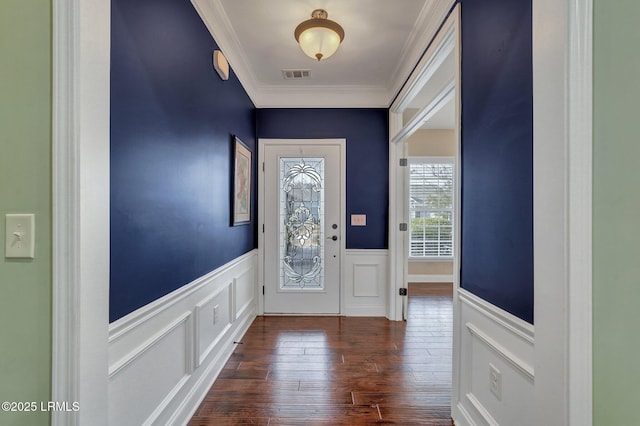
{"x": 494, "y": 338}
{"x": 183, "y": 320}
{"x": 508, "y": 321}
{"x": 364, "y": 282}
{"x": 139, "y": 316}
{"x": 466, "y": 417}
{"x": 187, "y": 338}
{"x": 521, "y": 366}
{"x": 481, "y": 410}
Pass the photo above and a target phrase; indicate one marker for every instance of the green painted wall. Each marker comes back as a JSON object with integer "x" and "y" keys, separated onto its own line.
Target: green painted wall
{"x": 616, "y": 220}
{"x": 25, "y": 187}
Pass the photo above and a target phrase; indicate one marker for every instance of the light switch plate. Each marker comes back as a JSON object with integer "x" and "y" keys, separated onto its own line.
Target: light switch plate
{"x": 19, "y": 236}
{"x": 358, "y": 220}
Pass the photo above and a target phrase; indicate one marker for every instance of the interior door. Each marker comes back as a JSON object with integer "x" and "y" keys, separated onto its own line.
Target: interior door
{"x": 303, "y": 228}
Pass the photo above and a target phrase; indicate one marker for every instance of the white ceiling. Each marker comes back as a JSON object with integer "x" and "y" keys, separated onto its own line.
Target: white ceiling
{"x": 383, "y": 41}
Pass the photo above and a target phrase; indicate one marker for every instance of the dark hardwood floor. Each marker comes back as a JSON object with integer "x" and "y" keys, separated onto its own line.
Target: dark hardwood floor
{"x": 339, "y": 370}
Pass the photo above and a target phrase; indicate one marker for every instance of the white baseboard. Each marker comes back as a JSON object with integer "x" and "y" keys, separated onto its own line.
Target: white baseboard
{"x": 415, "y": 278}
{"x": 169, "y": 352}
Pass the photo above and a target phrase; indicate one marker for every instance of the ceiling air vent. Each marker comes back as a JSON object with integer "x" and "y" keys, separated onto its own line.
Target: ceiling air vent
{"x": 296, "y": 74}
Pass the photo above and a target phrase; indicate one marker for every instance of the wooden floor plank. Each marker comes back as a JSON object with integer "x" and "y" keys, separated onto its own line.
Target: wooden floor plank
{"x": 339, "y": 370}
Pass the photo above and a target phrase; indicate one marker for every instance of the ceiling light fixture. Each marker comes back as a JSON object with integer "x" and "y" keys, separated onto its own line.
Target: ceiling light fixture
{"x": 319, "y": 37}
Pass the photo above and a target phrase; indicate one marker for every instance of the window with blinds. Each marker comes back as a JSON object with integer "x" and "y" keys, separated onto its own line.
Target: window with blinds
{"x": 431, "y": 207}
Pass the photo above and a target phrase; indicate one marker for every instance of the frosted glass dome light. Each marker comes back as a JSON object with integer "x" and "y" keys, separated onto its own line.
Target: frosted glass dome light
{"x": 319, "y": 37}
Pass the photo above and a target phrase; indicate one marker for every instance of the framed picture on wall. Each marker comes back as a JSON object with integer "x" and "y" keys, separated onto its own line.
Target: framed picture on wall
{"x": 241, "y": 184}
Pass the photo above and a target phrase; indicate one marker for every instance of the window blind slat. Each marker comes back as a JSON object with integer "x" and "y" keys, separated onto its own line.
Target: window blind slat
{"x": 431, "y": 209}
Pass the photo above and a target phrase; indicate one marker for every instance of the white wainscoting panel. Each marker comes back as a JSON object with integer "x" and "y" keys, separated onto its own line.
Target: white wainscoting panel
{"x": 493, "y": 337}
{"x": 164, "y": 356}
{"x": 365, "y": 282}
{"x": 131, "y": 400}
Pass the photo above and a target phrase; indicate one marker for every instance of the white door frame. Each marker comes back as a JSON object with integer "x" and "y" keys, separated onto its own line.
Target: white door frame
{"x": 80, "y": 144}
{"x": 562, "y": 170}
{"x": 262, "y": 142}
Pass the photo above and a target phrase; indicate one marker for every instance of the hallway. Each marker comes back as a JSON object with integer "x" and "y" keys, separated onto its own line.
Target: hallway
{"x": 339, "y": 370}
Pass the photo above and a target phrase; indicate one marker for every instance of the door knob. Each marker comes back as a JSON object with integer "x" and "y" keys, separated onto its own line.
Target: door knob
{"x": 334, "y": 238}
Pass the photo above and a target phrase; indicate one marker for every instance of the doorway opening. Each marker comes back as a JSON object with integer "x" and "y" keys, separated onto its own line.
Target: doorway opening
{"x": 425, "y": 184}
{"x": 431, "y": 209}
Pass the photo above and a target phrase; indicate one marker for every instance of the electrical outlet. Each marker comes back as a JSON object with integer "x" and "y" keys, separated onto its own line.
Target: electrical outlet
{"x": 495, "y": 381}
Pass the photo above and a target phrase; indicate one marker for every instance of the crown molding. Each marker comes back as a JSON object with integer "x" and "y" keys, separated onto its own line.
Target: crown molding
{"x": 220, "y": 27}
{"x": 323, "y": 97}
{"x": 431, "y": 17}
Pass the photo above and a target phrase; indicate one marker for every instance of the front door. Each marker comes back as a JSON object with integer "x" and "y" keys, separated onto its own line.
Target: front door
{"x": 303, "y": 227}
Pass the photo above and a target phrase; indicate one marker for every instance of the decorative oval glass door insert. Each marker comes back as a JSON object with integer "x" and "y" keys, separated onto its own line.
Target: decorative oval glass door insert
{"x": 301, "y": 223}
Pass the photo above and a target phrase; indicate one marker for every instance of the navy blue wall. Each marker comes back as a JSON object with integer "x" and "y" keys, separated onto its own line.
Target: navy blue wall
{"x": 497, "y": 153}
{"x": 367, "y": 135}
{"x": 172, "y": 121}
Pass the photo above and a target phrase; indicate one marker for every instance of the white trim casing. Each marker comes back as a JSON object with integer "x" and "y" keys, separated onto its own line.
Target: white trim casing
{"x": 81, "y": 63}
{"x": 65, "y": 329}
{"x": 562, "y": 58}
{"x": 423, "y": 33}
{"x": 398, "y": 268}
{"x": 457, "y": 305}
{"x": 580, "y": 363}
{"x": 441, "y": 99}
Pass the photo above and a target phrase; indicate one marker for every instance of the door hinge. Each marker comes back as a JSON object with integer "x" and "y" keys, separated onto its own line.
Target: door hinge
{"x": 263, "y": 290}
{"x": 263, "y": 166}
{"x": 403, "y": 291}
{"x": 403, "y": 227}
{"x": 263, "y": 228}
{"x": 404, "y": 162}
